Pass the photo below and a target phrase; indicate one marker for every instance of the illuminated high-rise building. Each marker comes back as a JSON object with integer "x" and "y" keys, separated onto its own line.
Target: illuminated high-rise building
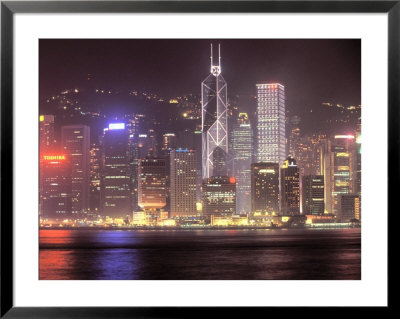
{"x": 46, "y": 143}
{"x": 349, "y": 208}
{"x": 338, "y": 165}
{"x": 183, "y": 182}
{"x": 241, "y": 141}
{"x": 46, "y": 132}
{"x": 357, "y": 189}
{"x": 169, "y": 142}
{"x": 294, "y": 135}
{"x": 290, "y": 187}
{"x": 132, "y": 126}
{"x": 116, "y": 175}
{"x": 95, "y": 178}
{"x": 133, "y": 158}
{"x": 192, "y": 139}
{"x": 57, "y": 186}
{"x": 308, "y": 153}
{"x": 152, "y": 184}
{"x": 75, "y": 140}
{"x": 147, "y": 145}
{"x": 313, "y": 194}
{"x": 219, "y": 196}
{"x": 214, "y": 120}
{"x": 265, "y": 188}
{"x": 271, "y": 135}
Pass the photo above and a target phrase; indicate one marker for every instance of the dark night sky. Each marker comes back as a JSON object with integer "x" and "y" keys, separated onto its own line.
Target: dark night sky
{"x": 313, "y": 71}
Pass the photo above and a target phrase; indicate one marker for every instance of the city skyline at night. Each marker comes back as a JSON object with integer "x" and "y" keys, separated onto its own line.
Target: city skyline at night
{"x": 224, "y": 139}
{"x": 199, "y": 135}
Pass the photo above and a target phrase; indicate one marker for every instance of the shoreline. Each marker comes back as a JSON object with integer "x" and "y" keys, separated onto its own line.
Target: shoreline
{"x": 160, "y": 228}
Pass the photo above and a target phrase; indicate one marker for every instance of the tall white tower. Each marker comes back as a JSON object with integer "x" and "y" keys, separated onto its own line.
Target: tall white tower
{"x": 214, "y": 120}
{"x": 271, "y": 135}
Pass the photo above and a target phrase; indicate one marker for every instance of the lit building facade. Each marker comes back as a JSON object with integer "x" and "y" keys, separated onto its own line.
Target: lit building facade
{"x": 350, "y": 208}
{"x": 271, "y": 134}
{"x": 214, "y": 120}
{"x": 265, "y": 188}
{"x": 294, "y": 135}
{"x": 46, "y": 143}
{"x": 95, "y": 178}
{"x": 169, "y": 142}
{"x": 116, "y": 177}
{"x": 219, "y": 196}
{"x": 357, "y": 189}
{"x": 46, "y": 132}
{"x": 313, "y": 194}
{"x": 133, "y": 122}
{"x": 75, "y": 140}
{"x": 183, "y": 174}
{"x": 241, "y": 142}
{"x": 147, "y": 145}
{"x": 290, "y": 187}
{"x": 308, "y": 153}
{"x": 152, "y": 192}
{"x": 57, "y": 186}
{"x": 338, "y": 165}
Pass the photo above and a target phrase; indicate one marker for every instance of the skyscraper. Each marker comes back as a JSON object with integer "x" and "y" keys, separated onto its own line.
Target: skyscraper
{"x": 192, "y": 139}
{"x": 116, "y": 177}
{"x": 183, "y": 182}
{"x": 75, "y": 140}
{"x": 95, "y": 178}
{"x": 294, "y": 135}
{"x": 152, "y": 184}
{"x": 57, "y": 186}
{"x": 241, "y": 142}
{"x": 169, "y": 142}
{"x": 339, "y": 168}
{"x": 349, "y": 207}
{"x": 132, "y": 126}
{"x": 214, "y": 119}
{"x": 219, "y": 196}
{"x": 308, "y": 153}
{"x": 313, "y": 194}
{"x": 290, "y": 187}
{"x": 265, "y": 188}
{"x": 147, "y": 145}
{"x": 271, "y": 135}
{"x": 133, "y": 159}
{"x": 357, "y": 189}
{"x": 46, "y": 142}
{"x": 46, "y": 132}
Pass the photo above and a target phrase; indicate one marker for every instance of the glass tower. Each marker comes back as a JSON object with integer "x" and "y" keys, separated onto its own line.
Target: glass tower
{"x": 116, "y": 175}
{"x": 75, "y": 140}
{"x": 241, "y": 141}
{"x": 271, "y": 134}
{"x": 214, "y": 118}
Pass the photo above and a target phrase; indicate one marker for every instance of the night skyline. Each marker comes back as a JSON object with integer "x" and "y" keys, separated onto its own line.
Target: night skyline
{"x": 313, "y": 71}
{"x": 155, "y": 136}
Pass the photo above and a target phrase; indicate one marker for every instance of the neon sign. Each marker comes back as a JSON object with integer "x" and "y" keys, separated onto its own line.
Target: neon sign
{"x": 116, "y": 126}
{"x": 54, "y": 157}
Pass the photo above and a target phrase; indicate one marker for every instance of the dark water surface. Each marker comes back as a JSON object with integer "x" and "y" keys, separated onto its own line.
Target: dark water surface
{"x": 203, "y": 254}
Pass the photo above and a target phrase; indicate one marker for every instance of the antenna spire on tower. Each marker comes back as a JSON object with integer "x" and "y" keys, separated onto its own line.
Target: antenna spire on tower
{"x": 211, "y": 56}
{"x": 215, "y": 69}
{"x": 219, "y": 54}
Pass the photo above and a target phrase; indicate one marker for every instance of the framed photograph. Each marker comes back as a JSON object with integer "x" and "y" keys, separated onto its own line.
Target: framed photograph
{"x": 165, "y": 158}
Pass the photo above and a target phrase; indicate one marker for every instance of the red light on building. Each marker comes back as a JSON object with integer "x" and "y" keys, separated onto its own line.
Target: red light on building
{"x": 232, "y": 180}
{"x": 54, "y": 157}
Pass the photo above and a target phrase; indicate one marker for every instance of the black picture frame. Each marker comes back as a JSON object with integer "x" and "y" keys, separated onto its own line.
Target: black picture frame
{"x": 9, "y": 8}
